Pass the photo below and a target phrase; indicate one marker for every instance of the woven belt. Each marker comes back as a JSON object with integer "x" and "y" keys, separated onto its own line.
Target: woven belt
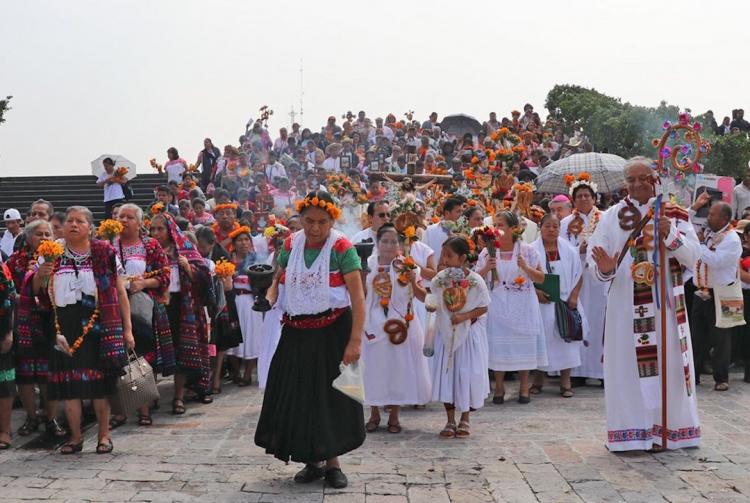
{"x": 319, "y": 320}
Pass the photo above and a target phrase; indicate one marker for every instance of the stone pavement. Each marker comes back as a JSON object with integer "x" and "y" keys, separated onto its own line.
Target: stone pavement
{"x": 551, "y": 450}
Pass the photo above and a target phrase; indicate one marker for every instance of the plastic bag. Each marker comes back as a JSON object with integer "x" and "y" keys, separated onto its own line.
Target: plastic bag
{"x": 430, "y": 304}
{"x": 350, "y": 381}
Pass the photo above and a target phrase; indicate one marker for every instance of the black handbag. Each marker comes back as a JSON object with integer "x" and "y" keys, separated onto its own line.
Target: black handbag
{"x": 569, "y": 322}
{"x": 127, "y": 191}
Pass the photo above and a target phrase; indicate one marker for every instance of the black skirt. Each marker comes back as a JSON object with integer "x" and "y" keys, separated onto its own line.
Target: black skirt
{"x": 34, "y": 366}
{"x": 225, "y": 329}
{"x": 80, "y": 376}
{"x": 7, "y": 375}
{"x": 303, "y": 418}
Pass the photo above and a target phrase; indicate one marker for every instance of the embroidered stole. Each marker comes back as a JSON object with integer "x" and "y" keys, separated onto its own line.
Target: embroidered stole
{"x": 644, "y": 326}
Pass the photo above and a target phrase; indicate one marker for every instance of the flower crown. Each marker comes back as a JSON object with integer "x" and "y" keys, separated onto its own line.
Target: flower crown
{"x": 240, "y": 230}
{"x": 574, "y": 182}
{"x": 319, "y": 203}
{"x": 225, "y": 206}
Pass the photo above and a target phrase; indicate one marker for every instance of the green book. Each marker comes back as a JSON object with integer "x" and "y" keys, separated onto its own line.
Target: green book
{"x": 550, "y": 286}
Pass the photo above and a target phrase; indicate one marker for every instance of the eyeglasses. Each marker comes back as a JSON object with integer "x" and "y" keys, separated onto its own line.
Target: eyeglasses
{"x": 384, "y": 215}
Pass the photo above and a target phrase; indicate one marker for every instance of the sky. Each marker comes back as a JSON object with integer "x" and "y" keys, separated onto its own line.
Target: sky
{"x": 134, "y": 77}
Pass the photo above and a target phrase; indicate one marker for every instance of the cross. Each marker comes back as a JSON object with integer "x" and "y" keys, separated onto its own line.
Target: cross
{"x": 641, "y": 311}
{"x": 292, "y": 115}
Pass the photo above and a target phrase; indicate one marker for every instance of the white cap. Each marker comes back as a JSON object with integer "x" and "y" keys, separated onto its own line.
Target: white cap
{"x": 11, "y": 214}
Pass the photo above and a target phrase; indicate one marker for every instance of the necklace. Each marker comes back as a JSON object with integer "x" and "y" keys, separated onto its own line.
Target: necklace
{"x": 92, "y": 319}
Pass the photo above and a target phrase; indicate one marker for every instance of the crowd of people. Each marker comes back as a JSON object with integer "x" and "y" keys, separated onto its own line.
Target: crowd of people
{"x": 430, "y": 257}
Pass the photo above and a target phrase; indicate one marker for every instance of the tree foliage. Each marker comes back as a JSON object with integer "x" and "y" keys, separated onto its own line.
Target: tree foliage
{"x": 4, "y": 107}
{"x": 627, "y": 130}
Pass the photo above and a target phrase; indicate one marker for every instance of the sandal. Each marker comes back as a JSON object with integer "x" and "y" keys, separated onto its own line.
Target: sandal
{"x": 721, "y": 386}
{"x": 104, "y": 447}
{"x": 216, "y": 391}
{"x": 54, "y": 429}
{"x": 4, "y": 446}
{"x": 178, "y": 407}
{"x": 29, "y": 426}
{"x": 463, "y": 429}
{"x": 394, "y": 428}
{"x": 535, "y": 389}
{"x": 144, "y": 420}
{"x": 372, "y": 425}
{"x": 71, "y": 448}
{"x": 115, "y": 422}
{"x": 566, "y": 392}
{"x": 449, "y": 431}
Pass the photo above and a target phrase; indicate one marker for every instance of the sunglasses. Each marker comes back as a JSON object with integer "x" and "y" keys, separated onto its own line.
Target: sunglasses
{"x": 384, "y": 215}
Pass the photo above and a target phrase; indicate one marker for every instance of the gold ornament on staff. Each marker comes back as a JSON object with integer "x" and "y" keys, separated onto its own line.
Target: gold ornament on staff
{"x": 265, "y": 114}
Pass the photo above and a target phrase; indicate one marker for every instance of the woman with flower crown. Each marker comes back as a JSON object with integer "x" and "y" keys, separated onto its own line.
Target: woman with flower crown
{"x": 514, "y": 325}
{"x": 459, "y": 369}
{"x": 303, "y": 418}
{"x": 81, "y": 284}
{"x": 395, "y": 371}
{"x": 578, "y": 228}
{"x": 247, "y": 251}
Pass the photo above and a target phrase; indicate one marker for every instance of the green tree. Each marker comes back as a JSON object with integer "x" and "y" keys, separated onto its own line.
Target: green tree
{"x": 729, "y": 155}
{"x": 4, "y": 107}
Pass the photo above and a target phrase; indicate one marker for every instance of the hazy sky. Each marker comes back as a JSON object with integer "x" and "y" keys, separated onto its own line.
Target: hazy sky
{"x": 135, "y": 77}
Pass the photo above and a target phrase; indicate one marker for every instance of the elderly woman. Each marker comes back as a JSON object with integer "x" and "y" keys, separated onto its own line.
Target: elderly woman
{"x": 34, "y": 334}
{"x": 248, "y": 251}
{"x": 303, "y": 418}
{"x": 188, "y": 289}
{"x": 7, "y": 370}
{"x": 562, "y": 259}
{"x": 92, "y": 322}
{"x": 147, "y": 273}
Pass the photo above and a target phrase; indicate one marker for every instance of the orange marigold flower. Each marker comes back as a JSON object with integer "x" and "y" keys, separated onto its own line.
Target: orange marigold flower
{"x": 520, "y": 280}
{"x": 584, "y": 176}
{"x": 409, "y": 317}
{"x": 384, "y": 301}
{"x": 314, "y": 201}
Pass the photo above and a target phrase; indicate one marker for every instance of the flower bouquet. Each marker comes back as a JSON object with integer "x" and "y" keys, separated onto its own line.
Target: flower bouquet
{"x": 158, "y": 167}
{"x": 491, "y": 238}
{"x": 225, "y": 269}
{"x": 109, "y": 229}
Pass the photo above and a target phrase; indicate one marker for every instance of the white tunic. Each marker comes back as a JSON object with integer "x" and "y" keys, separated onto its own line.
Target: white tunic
{"x": 393, "y": 374}
{"x": 561, "y": 355}
{"x": 631, "y": 424}
{"x": 593, "y": 300}
{"x": 463, "y": 381}
{"x": 514, "y": 331}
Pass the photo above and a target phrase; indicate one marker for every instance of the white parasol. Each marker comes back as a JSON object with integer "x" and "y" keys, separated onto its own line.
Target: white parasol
{"x": 97, "y": 165}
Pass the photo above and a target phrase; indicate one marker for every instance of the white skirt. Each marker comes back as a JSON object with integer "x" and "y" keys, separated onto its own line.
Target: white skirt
{"x": 396, "y": 374}
{"x": 269, "y": 341}
{"x": 561, "y": 355}
{"x": 251, "y": 325}
{"x": 466, "y": 385}
{"x": 515, "y": 335}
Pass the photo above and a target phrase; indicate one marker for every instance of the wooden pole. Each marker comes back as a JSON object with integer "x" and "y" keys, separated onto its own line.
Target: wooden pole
{"x": 664, "y": 270}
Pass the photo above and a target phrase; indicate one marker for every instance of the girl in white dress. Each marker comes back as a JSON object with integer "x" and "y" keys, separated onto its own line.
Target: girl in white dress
{"x": 514, "y": 324}
{"x": 460, "y": 368}
{"x": 248, "y": 251}
{"x": 563, "y": 261}
{"x": 395, "y": 371}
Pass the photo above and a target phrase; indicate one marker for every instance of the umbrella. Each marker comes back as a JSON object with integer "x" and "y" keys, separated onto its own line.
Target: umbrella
{"x": 97, "y": 165}
{"x": 606, "y": 171}
{"x": 460, "y": 124}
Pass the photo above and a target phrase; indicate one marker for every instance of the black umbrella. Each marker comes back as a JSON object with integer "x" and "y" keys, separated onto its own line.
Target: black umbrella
{"x": 460, "y": 124}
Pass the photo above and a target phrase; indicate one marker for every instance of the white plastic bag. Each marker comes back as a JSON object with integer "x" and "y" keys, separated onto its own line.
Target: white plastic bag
{"x": 430, "y": 304}
{"x": 350, "y": 381}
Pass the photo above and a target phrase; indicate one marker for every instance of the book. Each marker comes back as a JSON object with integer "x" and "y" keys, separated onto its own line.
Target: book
{"x": 550, "y": 286}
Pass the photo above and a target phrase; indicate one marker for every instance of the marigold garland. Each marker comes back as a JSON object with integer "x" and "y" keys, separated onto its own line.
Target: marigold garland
{"x": 225, "y": 206}
{"x": 240, "y": 230}
{"x": 58, "y": 329}
{"x": 314, "y": 201}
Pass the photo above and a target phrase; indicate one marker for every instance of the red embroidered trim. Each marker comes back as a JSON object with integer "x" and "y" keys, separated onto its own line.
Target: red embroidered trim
{"x": 314, "y": 321}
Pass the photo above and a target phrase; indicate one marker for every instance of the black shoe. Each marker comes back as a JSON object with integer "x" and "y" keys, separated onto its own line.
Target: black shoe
{"x": 498, "y": 400}
{"x": 747, "y": 375}
{"x": 524, "y": 399}
{"x": 336, "y": 478}
{"x": 310, "y": 473}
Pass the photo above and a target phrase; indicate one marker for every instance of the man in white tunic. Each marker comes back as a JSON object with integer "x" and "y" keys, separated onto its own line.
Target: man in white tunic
{"x": 632, "y": 340}
{"x": 577, "y": 228}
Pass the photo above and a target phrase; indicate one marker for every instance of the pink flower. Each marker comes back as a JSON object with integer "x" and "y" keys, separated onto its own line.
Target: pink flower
{"x": 464, "y": 283}
{"x": 684, "y": 118}
{"x": 665, "y": 152}
{"x": 666, "y": 125}
{"x": 697, "y": 126}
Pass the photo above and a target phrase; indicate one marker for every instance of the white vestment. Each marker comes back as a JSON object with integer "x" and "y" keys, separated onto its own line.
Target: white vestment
{"x": 632, "y": 424}
{"x": 593, "y": 299}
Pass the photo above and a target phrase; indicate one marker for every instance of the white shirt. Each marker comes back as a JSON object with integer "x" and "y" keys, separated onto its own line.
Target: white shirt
{"x": 174, "y": 171}
{"x": 723, "y": 261}
{"x": 7, "y": 242}
{"x": 113, "y": 191}
{"x": 364, "y": 235}
{"x": 740, "y": 199}
{"x": 275, "y": 170}
{"x": 332, "y": 164}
